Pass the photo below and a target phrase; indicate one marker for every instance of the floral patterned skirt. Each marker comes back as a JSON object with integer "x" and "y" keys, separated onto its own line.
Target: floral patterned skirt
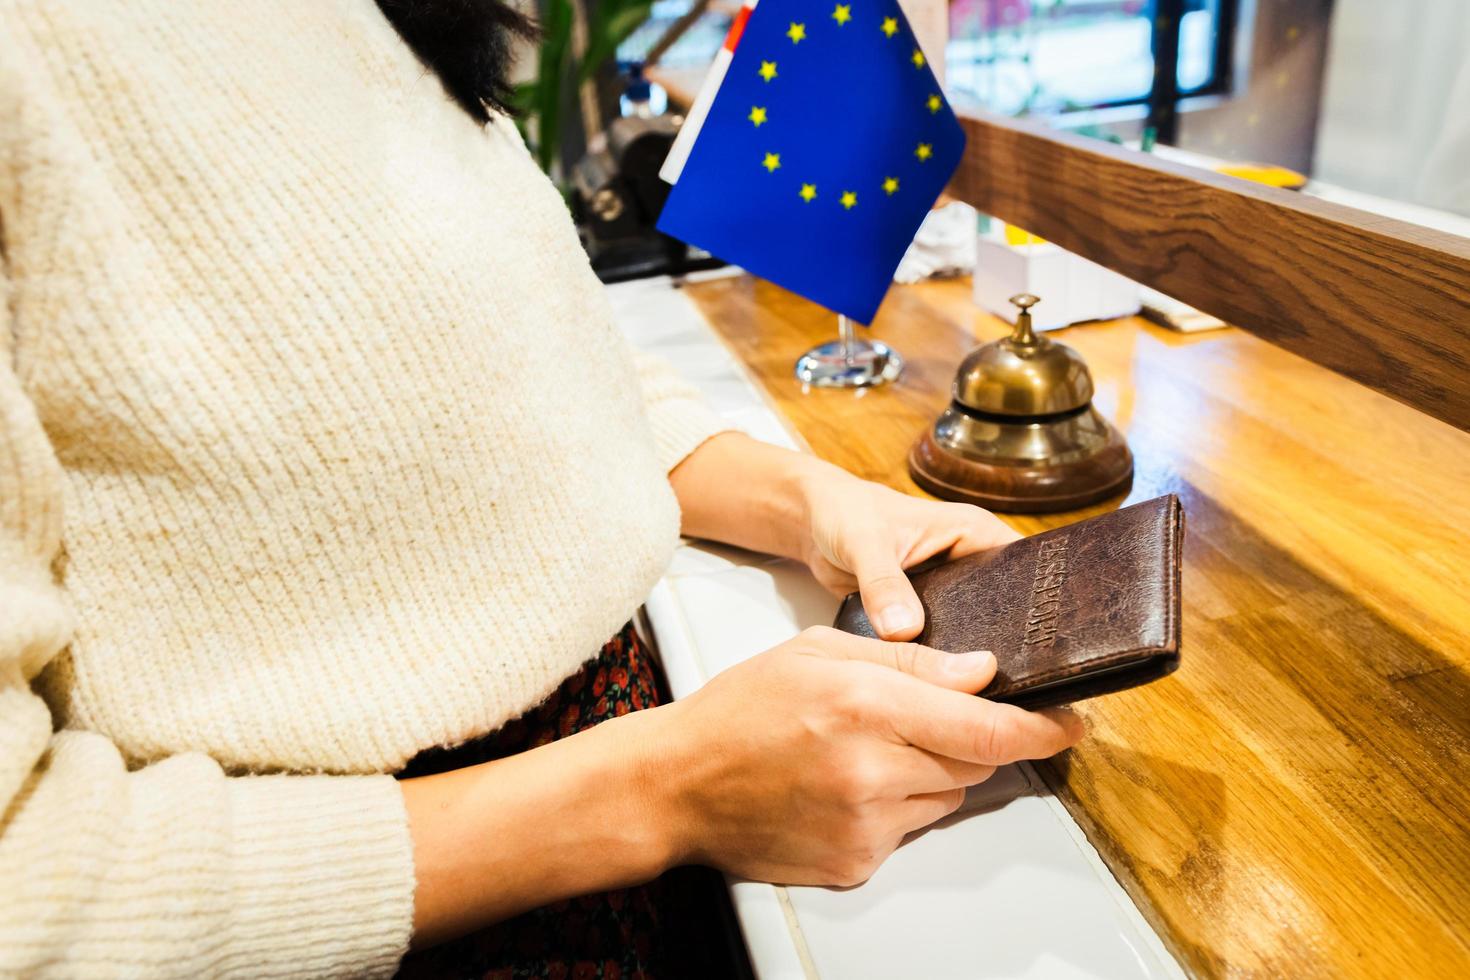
{"x": 679, "y": 925}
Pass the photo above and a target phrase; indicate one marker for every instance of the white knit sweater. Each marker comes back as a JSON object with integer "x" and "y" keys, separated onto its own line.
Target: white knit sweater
{"x": 318, "y": 447}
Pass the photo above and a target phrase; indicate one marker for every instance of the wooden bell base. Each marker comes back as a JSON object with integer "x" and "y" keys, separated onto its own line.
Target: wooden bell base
{"x": 1022, "y": 489}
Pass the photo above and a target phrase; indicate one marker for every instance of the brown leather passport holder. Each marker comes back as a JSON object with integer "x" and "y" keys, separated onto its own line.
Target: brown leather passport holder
{"x": 1070, "y": 613}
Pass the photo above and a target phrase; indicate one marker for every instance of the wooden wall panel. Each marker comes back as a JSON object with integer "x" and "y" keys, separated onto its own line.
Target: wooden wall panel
{"x": 1381, "y": 301}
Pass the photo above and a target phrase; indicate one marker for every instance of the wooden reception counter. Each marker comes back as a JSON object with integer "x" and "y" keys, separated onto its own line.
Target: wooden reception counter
{"x": 1295, "y": 800}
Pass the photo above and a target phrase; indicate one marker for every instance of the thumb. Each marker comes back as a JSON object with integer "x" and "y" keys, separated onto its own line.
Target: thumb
{"x": 890, "y": 601}
{"x": 968, "y": 672}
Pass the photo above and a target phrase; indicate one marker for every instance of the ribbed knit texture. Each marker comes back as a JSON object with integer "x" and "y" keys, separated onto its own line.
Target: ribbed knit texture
{"x": 318, "y": 447}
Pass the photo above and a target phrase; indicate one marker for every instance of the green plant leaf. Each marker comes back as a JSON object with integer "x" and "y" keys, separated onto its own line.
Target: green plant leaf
{"x": 523, "y": 101}
{"x": 612, "y": 23}
{"x": 523, "y": 97}
{"x": 551, "y": 72}
{"x": 544, "y": 99}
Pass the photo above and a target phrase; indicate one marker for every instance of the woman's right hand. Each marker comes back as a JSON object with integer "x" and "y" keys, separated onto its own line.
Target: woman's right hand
{"x": 809, "y": 763}
{"x": 806, "y": 764}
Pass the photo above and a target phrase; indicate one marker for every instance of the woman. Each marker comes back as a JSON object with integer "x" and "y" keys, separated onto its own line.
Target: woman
{"x": 320, "y": 453}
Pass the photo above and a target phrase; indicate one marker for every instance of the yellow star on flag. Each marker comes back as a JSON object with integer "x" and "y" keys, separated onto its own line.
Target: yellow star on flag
{"x": 890, "y": 185}
{"x": 771, "y": 162}
{"x": 768, "y": 70}
{"x": 848, "y": 199}
{"x": 924, "y": 152}
{"x": 918, "y": 58}
{"x": 890, "y": 26}
{"x": 757, "y": 114}
{"x": 796, "y": 32}
{"x": 807, "y": 192}
{"x": 935, "y": 103}
{"x": 842, "y": 14}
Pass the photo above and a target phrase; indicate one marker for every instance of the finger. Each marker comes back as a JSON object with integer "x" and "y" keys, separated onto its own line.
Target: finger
{"x": 891, "y": 603}
{"x": 919, "y": 771}
{"x": 969, "y": 672}
{"x": 975, "y": 730}
{"x": 981, "y": 531}
{"x": 923, "y": 809}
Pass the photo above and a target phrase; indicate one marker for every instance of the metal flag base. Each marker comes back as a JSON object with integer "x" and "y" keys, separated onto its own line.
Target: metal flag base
{"x": 849, "y": 362}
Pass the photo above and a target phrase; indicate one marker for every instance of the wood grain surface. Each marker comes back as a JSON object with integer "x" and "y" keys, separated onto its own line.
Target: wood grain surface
{"x": 1382, "y": 301}
{"x": 1295, "y": 800}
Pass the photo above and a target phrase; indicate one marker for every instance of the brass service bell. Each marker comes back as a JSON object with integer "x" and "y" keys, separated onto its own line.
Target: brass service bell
{"x": 1021, "y": 434}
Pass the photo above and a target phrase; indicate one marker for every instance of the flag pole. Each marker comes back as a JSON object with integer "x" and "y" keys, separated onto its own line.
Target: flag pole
{"x": 849, "y": 361}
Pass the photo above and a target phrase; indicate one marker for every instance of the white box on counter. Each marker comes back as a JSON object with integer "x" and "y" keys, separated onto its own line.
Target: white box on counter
{"x": 1071, "y": 288}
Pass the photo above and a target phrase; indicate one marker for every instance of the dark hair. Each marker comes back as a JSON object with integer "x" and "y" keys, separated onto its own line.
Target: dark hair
{"x": 469, "y": 44}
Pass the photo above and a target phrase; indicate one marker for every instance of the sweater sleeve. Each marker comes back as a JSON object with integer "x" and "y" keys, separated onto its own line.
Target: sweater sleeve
{"x": 174, "y": 869}
{"x": 680, "y": 418}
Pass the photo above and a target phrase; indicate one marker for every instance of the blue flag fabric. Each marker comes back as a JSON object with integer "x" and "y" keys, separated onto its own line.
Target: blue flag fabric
{"x": 823, "y": 150}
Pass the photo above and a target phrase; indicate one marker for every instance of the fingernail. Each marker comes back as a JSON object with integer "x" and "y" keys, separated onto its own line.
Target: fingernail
{"x": 895, "y": 619}
{"x": 965, "y": 664}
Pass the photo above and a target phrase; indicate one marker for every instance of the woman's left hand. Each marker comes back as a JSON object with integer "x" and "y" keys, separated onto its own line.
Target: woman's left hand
{"x": 852, "y": 534}
{"x": 861, "y": 536}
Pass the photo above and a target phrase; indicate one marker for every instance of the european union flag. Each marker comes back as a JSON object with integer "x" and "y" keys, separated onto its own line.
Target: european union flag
{"x": 823, "y": 150}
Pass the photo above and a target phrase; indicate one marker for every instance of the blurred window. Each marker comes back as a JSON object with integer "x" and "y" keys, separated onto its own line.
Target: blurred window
{"x": 1023, "y": 56}
{"x": 695, "y": 48}
{"x": 1019, "y": 56}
